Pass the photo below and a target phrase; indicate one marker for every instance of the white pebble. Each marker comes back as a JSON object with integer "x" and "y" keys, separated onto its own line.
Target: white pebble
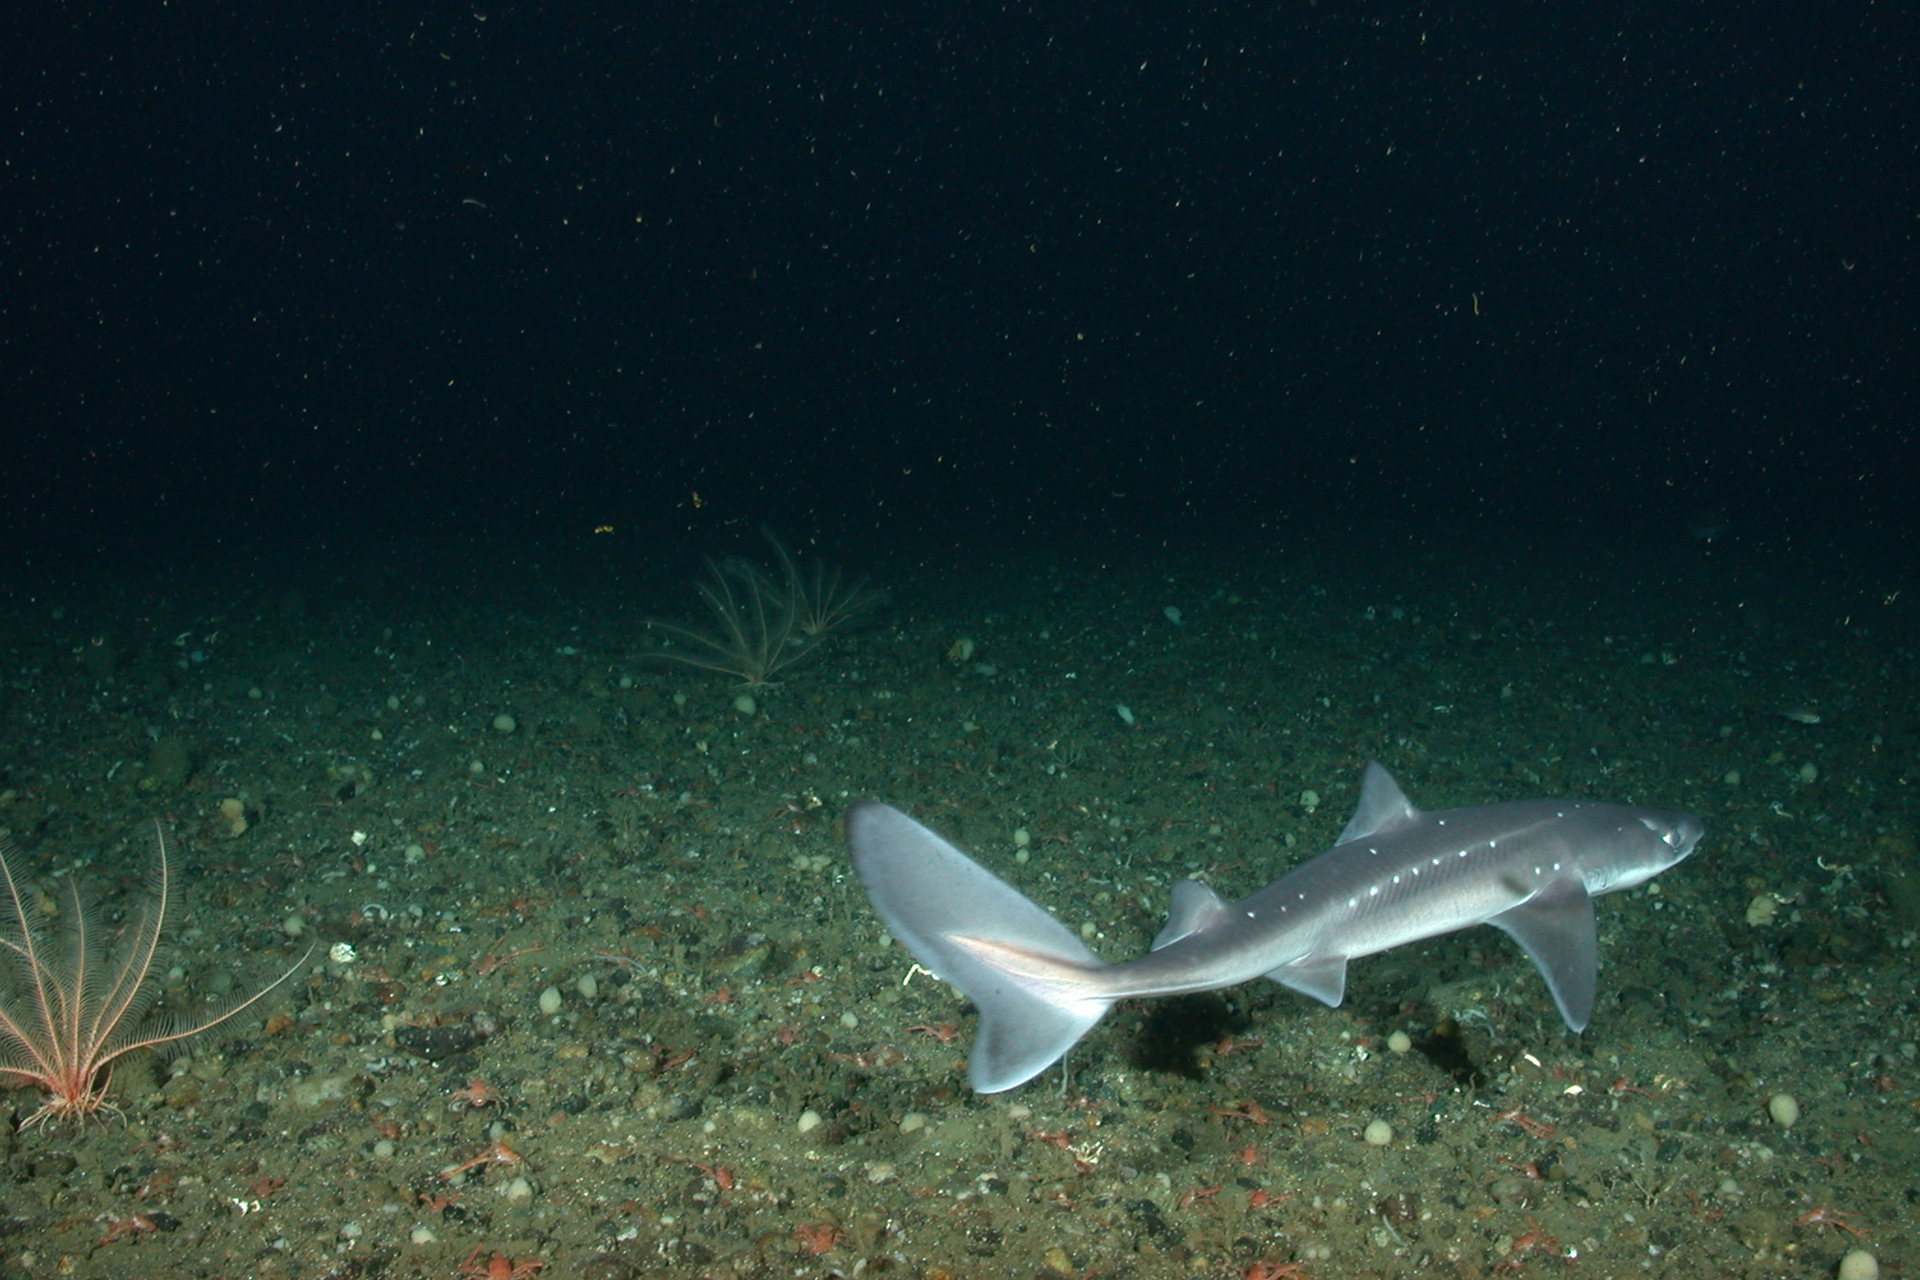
{"x": 849, "y": 1020}
{"x": 550, "y": 1001}
{"x": 1785, "y": 1110}
{"x": 422, "y": 1234}
{"x": 809, "y": 1120}
{"x": 504, "y": 723}
{"x": 588, "y": 986}
{"x": 1378, "y": 1133}
{"x": 912, "y": 1122}
{"x": 518, "y": 1189}
{"x": 1399, "y": 1042}
{"x": 1858, "y": 1264}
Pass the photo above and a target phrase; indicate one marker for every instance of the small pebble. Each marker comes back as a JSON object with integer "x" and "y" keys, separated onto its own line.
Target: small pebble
{"x": 518, "y": 1189}
{"x": 1378, "y": 1133}
{"x": 1858, "y": 1264}
{"x": 912, "y": 1122}
{"x": 1399, "y": 1042}
{"x": 809, "y": 1120}
{"x": 550, "y": 1001}
{"x": 588, "y": 986}
{"x": 1785, "y": 1110}
{"x": 504, "y": 723}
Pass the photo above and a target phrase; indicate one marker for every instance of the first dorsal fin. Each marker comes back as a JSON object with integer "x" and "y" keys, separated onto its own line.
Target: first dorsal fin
{"x": 1383, "y": 806}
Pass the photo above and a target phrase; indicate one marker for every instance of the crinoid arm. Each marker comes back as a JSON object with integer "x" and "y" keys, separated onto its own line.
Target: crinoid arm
{"x": 73, "y": 1001}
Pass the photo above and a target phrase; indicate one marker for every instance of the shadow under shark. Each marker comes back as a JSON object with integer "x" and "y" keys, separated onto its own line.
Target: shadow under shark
{"x": 1530, "y": 868}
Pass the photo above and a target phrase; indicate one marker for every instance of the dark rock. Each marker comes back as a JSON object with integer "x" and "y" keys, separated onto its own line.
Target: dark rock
{"x": 435, "y": 1043}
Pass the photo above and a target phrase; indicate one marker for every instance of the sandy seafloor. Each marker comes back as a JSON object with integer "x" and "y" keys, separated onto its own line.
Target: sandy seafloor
{"x": 674, "y": 870}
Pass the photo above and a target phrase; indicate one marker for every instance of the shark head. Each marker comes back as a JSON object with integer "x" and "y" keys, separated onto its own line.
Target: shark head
{"x": 1665, "y": 837}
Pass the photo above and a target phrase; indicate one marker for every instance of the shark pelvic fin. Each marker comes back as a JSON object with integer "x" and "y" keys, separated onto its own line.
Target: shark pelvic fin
{"x": 1322, "y": 977}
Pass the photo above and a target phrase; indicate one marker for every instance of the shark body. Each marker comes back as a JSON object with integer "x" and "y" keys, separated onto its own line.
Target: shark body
{"x": 1530, "y": 868}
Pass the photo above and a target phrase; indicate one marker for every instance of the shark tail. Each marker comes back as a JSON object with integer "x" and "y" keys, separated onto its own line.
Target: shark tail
{"x": 1037, "y": 987}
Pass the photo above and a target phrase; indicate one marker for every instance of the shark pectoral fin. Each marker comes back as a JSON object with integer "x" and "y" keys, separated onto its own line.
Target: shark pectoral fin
{"x": 1322, "y": 977}
{"x": 1193, "y": 908}
{"x": 1555, "y": 928}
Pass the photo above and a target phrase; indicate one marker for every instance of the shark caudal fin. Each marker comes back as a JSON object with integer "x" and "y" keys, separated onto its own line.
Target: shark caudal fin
{"x": 1036, "y": 986}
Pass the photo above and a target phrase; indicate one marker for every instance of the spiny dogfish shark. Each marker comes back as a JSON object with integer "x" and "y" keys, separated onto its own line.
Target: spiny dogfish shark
{"x": 1530, "y": 868}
